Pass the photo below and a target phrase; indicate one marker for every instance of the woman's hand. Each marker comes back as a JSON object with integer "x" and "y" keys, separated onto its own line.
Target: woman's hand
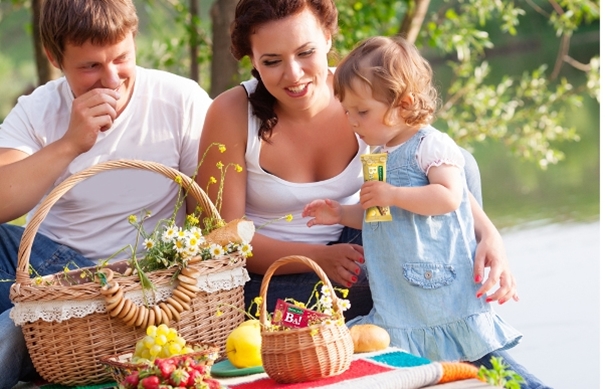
{"x": 341, "y": 262}
{"x": 490, "y": 253}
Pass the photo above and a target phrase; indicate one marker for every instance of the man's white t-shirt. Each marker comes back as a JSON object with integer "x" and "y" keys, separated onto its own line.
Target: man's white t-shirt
{"x": 161, "y": 123}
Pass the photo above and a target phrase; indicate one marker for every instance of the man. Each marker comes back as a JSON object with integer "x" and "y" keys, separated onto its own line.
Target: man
{"x": 104, "y": 108}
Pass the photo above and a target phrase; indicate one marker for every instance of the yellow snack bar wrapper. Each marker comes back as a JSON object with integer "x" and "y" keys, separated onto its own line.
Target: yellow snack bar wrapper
{"x": 375, "y": 169}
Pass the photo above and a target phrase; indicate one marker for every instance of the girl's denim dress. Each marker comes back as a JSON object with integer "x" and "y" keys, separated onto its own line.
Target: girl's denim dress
{"x": 421, "y": 276}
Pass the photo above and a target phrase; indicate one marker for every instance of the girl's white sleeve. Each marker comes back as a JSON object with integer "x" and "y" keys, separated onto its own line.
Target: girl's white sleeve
{"x": 438, "y": 148}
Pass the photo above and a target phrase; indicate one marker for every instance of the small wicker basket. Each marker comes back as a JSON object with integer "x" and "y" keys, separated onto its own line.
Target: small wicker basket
{"x": 120, "y": 367}
{"x": 67, "y": 352}
{"x": 304, "y": 354}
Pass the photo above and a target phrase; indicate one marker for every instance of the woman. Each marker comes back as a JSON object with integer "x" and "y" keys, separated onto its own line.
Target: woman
{"x": 291, "y": 135}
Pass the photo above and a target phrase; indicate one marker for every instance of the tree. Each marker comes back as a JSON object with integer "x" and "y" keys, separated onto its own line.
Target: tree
{"x": 224, "y": 67}
{"x": 45, "y": 70}
{"x": 525, "y": 111}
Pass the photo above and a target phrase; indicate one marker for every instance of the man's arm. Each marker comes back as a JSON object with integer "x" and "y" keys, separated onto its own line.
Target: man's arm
{"x": 26, "y": 178}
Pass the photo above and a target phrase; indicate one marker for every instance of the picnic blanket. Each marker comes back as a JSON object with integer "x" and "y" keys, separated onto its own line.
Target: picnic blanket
{"x": 391, "y": 368}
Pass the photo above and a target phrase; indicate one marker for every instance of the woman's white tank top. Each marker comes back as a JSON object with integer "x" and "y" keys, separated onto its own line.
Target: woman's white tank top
{"x": 269, "y": 197}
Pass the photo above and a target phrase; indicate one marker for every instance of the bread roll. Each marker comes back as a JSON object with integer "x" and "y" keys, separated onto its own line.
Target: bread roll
{"x": 236, "y": 231}
{"x": 369, "y": 337}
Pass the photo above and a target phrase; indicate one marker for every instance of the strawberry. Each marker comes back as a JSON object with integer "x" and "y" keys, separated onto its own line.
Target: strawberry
{"x": 194, "y": 377}
{"x": 131, "y": 381}
{"x": 166, "y": 367}
{"x": 199, "y": 367}
{"x": 185, "y": 362}
{"x": 212, "y": 383}
{"x": 179, "y": 377}
{"x": 151, "y": 382}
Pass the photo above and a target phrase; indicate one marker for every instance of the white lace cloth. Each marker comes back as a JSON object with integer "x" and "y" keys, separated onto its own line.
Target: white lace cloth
{"x": 63, "y": 310}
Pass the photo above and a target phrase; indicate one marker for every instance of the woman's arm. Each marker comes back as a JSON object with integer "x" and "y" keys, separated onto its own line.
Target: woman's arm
{"x": 491, "y": 254}
{"x": 226, "y": 123}
{"x": 338, "y": 261}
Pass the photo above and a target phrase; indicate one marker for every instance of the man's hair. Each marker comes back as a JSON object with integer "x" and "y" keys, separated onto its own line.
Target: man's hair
{"x": 102, "y": 22}
{"x": 392, "y": 68}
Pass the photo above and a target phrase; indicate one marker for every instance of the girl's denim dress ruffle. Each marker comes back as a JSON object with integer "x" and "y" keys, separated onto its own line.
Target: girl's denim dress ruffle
{"x": 421, "y": 276}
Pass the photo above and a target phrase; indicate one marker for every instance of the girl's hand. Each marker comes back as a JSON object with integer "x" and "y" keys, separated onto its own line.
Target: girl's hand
{"x": 375, "y": 193}
{"x": 323, "y": 212}
{"x": 490, "y": 253}
{"x": 341, "y": 262}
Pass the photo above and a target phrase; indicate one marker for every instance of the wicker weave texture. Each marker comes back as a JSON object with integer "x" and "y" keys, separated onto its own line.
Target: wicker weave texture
{"x": 120, "y": 370}
{"x": 68, "y": 352}
{"x": 304, "y": 354}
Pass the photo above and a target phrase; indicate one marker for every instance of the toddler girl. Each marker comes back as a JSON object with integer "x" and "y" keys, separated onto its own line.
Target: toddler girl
{"x": 420, "y": 264}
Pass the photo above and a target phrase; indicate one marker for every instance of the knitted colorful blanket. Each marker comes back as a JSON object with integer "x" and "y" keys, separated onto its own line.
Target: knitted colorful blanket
{"x": 388, "y": 369}
{"x": 391, "y": 368}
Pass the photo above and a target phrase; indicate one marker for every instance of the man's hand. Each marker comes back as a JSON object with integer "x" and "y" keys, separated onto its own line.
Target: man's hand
{"x": 91, "y": 112}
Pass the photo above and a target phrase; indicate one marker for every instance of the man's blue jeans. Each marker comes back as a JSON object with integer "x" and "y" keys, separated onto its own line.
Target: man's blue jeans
{"x": 47, "y": 257}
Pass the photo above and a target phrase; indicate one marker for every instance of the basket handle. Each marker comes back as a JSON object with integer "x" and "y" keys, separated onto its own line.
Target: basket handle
{"x": 25, "y": 246}
{"x": 284, "y": 261}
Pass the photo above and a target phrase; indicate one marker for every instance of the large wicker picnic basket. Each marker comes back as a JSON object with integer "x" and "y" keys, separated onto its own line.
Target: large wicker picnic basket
{"x": 67, "y": 351}
{"x": 309, "y": 353}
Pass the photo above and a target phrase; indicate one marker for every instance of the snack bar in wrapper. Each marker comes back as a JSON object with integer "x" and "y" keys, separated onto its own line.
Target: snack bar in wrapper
{"x": 290, "y": 315}
{"x": 375, "y": 169}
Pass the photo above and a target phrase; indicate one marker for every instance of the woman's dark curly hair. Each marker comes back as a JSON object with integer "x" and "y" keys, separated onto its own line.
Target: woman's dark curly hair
{"x": 249, "y": 14}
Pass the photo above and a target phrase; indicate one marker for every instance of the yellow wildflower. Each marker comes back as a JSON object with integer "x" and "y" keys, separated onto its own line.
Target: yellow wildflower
{"x": 238, "y": 168}
{"x": 132, "y": 219}
{"x": 192, "y": 219}
{"x": 289, "y": 217}
{"x": 212, "y": 180}
{"x": 219, "y": 165}
{"x": 219, "y": 313}
{"x": 178, "y": 180}
{"x": 222, "y": 148}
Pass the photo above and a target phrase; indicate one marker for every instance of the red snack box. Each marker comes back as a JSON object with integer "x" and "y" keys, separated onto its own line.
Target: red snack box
{"x": 290, "y": 315}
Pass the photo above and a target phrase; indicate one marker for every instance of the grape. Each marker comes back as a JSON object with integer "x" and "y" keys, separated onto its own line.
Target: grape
{"x": 163, "y": 329}
{"x": 152, "y": 331}
{"x": 155, "y": 350}
{"x": 172, "y": 334}
{"x": 148, "y": 341}
{"x": 160, "y": 342}
{"x": 175, "y": 348}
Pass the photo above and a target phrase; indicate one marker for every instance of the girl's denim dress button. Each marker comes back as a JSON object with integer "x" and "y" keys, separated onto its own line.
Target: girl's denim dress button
{"x": 429, "y": 275}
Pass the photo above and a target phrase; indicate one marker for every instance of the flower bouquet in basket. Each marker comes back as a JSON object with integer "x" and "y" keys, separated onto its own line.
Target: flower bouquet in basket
{"x": 304, "y": 342}
{"x": 176, "y": 275}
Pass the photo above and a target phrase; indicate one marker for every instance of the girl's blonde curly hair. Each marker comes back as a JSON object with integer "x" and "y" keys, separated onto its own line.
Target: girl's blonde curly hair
{"x": 394, "y": 70}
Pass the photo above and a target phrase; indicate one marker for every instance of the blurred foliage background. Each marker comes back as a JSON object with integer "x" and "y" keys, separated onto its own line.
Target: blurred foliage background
{"x": 519, "y": 82}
